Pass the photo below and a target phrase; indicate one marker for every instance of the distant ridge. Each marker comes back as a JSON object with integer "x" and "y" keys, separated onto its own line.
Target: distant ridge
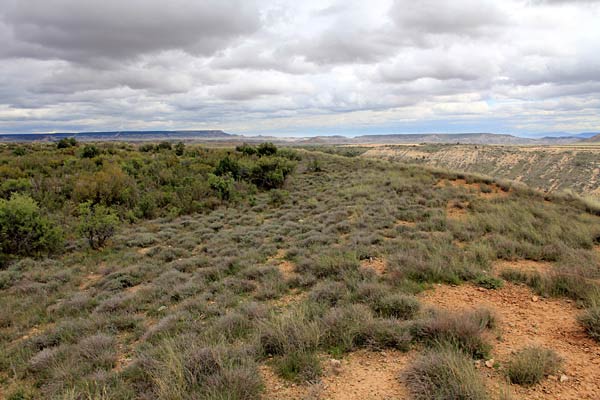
{"x": 220, "y": 136}
{"x": 593, "y": 139}
{"x": 442, "y": 138}
{"x": 124, "y": 136}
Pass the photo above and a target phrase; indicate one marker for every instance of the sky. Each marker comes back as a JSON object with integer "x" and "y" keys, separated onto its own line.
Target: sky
{"x": 300, "y": 68}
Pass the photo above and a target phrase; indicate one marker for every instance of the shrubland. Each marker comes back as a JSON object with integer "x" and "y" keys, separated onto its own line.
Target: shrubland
{"x": 181, "y": 272}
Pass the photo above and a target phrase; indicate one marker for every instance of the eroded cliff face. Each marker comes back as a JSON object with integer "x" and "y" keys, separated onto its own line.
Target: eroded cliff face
{"x": 549, "y": 168}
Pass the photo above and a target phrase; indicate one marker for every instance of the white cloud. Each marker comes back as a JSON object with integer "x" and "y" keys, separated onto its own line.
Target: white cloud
{"x": 268, "y": 66}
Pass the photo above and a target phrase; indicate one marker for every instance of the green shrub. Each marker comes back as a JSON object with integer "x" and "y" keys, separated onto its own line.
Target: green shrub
{"x": 228, "y": 167}
{"x": 346, "y": 327}
{"x": 489, "y": 282}
{"x": 221, "y": 185}
{"x": 397, "y": 306}
{"x": 277, "y": 197}
{"x": 530, "y": 365}
{"x": 10, "y": 186}
{"x": 289, "y": 332}
{"x": 266, "y": 149}
{"x": 90, "y": 151}
{"x": 164, "y": 146}
{"x": 328, "y": 292}
{"x": 65, "y": 143}
{"x": 246, "y": 149}
{"x": 590, "y": 320}
{"x": 462, "y": 331}
{"x": 24, "y": 231}
{"x": 179, "y": 149}
{"x": 19, "y": 151}
{"x": 388, "y": 333}
{"x": 299, "y": 366}
{"x": 97, "y": 223}
{"x": 444, "y": 374}
{"x": 270, "y": 172}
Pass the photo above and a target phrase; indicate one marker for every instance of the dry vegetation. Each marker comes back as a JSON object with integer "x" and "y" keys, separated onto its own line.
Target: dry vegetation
{"x": 549, "y": 168}
{"x": 286, "y": 292}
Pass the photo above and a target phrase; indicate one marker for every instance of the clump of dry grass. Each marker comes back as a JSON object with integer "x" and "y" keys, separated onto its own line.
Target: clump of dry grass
{"x": 444, "y": 374}
{"x": 530, "y": 365}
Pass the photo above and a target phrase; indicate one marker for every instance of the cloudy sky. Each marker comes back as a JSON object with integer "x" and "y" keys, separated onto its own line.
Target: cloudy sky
{"x": 307, "y": 67}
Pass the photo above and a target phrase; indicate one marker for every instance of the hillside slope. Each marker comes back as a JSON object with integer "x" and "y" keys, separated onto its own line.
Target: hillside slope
{"x": 547, "y": 168}
{"x": 332, "y": 287}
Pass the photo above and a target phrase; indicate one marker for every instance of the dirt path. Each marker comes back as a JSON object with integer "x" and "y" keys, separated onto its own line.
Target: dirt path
{"x": 526, "y": 319}
{"x": 362, "y": 375}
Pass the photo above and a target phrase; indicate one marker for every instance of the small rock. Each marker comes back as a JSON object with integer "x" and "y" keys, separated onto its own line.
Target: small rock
{"x": 336, "y": 366}
{"x": 563, "y": 378}
{"x": 162, "y": 308}
{"x": 535, "y": 298}
{"x": 490, "y": 363}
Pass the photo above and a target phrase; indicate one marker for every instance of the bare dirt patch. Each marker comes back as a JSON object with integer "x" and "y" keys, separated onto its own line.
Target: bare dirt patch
{"x": 527, "y": 266}
{"x": 483, "y": 190}
{"x": 286, "y": 268}
{"x": 456, "y": 210}
{"x": 362, "y": 375}
{"x": 89, "y": 280}
{"x": 295, "y": 296}
{"x": 526, "y": 319}
{"x": 374, "y": 263}
{"x": 144, "y": 250}
{"x": 400, "y": 222}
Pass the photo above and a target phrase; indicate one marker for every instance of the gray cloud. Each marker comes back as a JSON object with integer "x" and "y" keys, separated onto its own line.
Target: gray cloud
{"x": 264, "y": 66}
{"x": 81, "y": 30}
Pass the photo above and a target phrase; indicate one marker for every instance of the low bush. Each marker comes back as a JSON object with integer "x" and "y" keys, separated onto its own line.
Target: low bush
{"x": 289, "y": 332}
{"x": 184, "y": 370}
{"x": 97, "y": 223}
{"x": 399, "y": 306}
{"x": 489, "y": 282}
{"x": 590, "y": 319}
{"x": 388, "y": 333}
{"x": 328, "y": 292}
{"x": 299, "y": 366}
{"x": 24, "y": 231}
{"x": 444, "y": 374}
{"x": 459, "y": 330}
{"x": 346, "y": 327}
{"x": 530, "y": 365}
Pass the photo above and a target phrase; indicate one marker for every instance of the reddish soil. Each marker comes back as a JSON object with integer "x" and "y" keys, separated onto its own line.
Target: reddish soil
{"x": 362, "y": 375}
{"x": 405, "y": 223}
{"x": 496, "y": 191}
{"x": 528, "y": 266}
{"x": 376, "y": 264}
{"x": 287, "y": 268}
{"x": 526, "y": 319}
{"x": 89, "y": 280}
{"x": 455, "y": 210}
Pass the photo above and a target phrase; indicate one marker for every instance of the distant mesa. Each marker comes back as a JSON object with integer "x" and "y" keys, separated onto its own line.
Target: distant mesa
{"x": 125, "y": 136}
{"x": 219, "y": 135}
{"x": 593, "y": 139}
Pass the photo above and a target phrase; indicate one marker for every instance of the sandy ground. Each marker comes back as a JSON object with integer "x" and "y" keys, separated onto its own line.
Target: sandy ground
{"x": 362, "y": 375}
{"x": 526, "y": 319}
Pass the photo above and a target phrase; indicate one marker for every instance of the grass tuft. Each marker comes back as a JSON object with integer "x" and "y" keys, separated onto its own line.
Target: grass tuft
{"x": 444, "y": 374}
{"x": 530, "y": 365}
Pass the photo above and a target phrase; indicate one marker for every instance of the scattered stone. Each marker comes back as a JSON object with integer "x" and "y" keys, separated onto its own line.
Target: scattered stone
{"x": 490, "y": 363}
{"x": 563, "y": 378}
{"x": 336, "y": 366}
{"x": 162, "y": 308}
{"x": 535, "y": 298}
